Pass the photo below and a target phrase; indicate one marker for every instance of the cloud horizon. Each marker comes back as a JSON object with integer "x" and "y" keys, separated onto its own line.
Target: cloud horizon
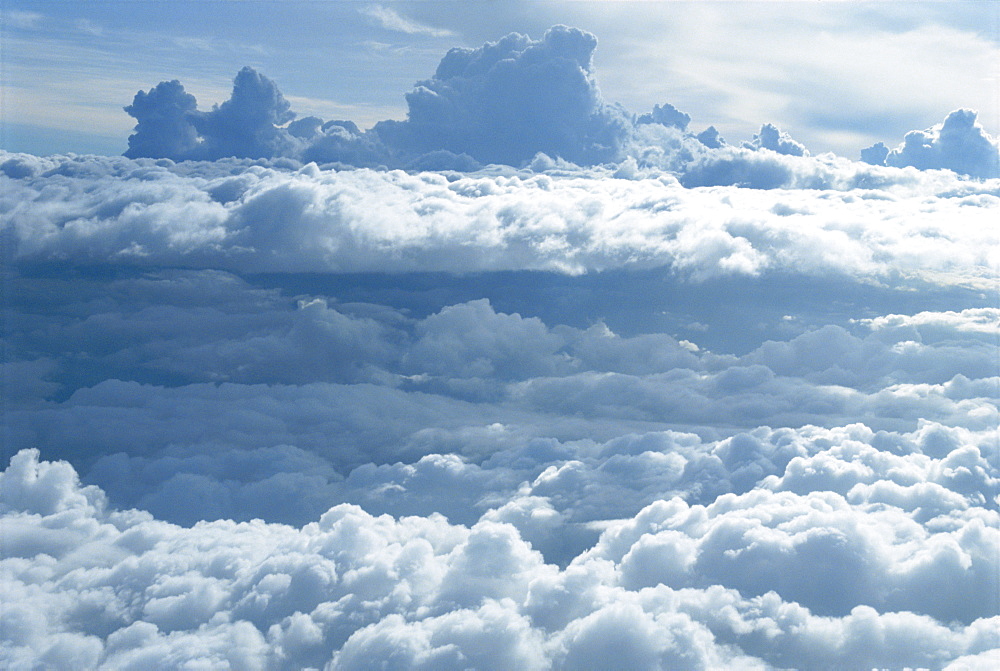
{"x": 506, "y": 102}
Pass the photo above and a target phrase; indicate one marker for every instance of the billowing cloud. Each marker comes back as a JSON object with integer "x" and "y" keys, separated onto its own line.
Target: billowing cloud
{"x": 245, "y": 126}
{"x": 667, "y": 115}
{"x": 247, "y": 216}
{"x": 502, "y": 103}
{"x": 770, "y": 137}
{"x": 959, "y": 143}
{"x": 512, "y": 102}
{"x": 509, "y": 100}
{"x": 163, "y": 122}
{"x": 350, "y": 587}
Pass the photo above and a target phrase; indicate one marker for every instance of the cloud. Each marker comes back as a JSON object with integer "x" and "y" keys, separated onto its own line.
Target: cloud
{"x": 875, "y": 154}
{"x": 228, "y": 214}
{"x": 390, "y": 19}
{"x": 522, "y": 493}
{"x": 163, "y": 122}
{"x": 245, "y": 126}
{"x": 667, "y": 115}
{"x": 770, "y": 137}
{"x": 510, "y": 102}
{"x": 118, "y": 587}
{"x": 959, "y": 143}
{"x": 502, "y": 103}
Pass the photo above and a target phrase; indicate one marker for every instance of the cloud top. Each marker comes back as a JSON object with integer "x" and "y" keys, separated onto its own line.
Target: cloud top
{"x": 958, "y": 143}
{"x": 349, "y": 589}
{"x": 246, "y": 125}
{"x": 516, "y": 101}
{"x": 508, "y": 100}
{"x": 242, "y": 215}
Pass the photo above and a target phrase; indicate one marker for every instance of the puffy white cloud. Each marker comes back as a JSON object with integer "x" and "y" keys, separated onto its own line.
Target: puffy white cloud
{"x": 468, "y": 410}
{"x": 508, "y": 100}
{"x": 667, "y": 115}
{"x": 760, "y": 542}
{"x": 246, "y": 126}
{"x": 123, "y": 590}
{"x": 770, "y": 137}
{"x": 981, "y": 320}
{"x": 959, "y": 143}
{"x": 501, "y": 103}
{"x": 163, "y": 127}
{"x": 252, "y": 218}
{"x": 492, "y": 636}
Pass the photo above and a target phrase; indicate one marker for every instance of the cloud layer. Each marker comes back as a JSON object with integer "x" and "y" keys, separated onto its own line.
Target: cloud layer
{"x": 733, "y": 583}
{"x": 276, "y": 216}
{"x": 708, "y": 426}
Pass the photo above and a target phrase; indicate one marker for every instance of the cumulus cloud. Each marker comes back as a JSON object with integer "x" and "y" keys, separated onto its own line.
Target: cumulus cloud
{"x": 770, "y": 137}
{"x": 163, "y": 122}
{"x": 117, "y": 587}
{"x": 667, "y": 115}
{"x": 277, "y": 217}
{"x": 501, "y": 103}
{"x": 169, "y": 124}
{"x": 959, "y": 143}
{"x": 510, "y": 102}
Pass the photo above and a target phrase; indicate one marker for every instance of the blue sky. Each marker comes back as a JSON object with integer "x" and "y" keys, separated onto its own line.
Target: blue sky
{"x": 837, "y": 76}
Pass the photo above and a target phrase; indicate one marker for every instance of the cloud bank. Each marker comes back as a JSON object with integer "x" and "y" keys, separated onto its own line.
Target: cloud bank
{"x": 280, "y": 216}
{"x": 506, "y": 103}
{"x": 663, "y": 443}
{"x": 674, "y": 585}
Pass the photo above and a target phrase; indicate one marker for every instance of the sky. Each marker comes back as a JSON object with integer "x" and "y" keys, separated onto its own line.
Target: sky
{"x": 416, "y": 335}
{"x": 839, "y": 76}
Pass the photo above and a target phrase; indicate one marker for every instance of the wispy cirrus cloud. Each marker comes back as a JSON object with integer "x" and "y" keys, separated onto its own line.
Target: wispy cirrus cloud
{"x": 390, "y": 19}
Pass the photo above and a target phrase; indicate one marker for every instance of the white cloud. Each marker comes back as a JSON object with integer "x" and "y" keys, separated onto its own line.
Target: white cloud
{"x": 366, "y": 220}
{"x": 121, "y": 588}
{"x": 392, "y": 20}
{"x": 981, "y": 320}
{"x": 22, "y": 19}
{"x": 959, "y": 143}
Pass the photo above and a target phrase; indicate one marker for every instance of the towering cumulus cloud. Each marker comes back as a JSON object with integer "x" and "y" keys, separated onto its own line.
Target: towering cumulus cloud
{"x": 501, "y": 103}
{"x": 245, "y": 126}
{"x": 959, "y": 143}
{"x": 164, "y": 126}
{"x": 514, "y": 102}
{"x": 506, "y": 101}
{"x": 519, "y": 382}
